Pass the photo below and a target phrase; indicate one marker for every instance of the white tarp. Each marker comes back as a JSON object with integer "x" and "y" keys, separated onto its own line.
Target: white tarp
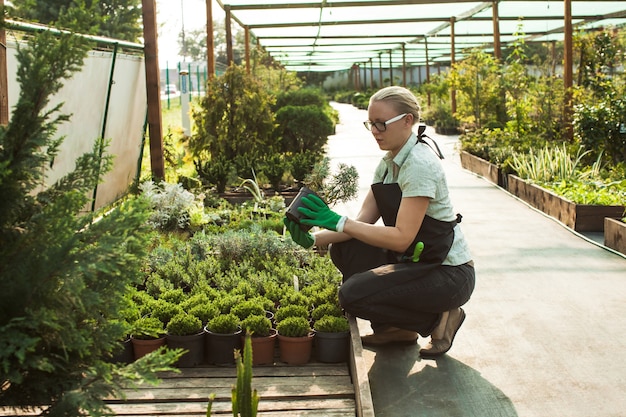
{"x": 85, "y": 98}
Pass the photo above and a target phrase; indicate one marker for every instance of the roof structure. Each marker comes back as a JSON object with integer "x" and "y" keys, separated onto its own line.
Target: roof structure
{"x": 304, "y": 35}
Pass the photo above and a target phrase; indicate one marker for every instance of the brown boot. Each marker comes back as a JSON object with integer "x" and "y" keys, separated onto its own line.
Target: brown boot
{"x": 392, "y": 335}
{"x": 438, "y": 347}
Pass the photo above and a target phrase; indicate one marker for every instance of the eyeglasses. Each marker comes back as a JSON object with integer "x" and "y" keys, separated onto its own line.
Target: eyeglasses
{"x": 382, "y": 126}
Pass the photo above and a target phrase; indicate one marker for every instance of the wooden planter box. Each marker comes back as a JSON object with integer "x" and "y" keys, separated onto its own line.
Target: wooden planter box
{"x": 580, "y": 217}
{"x": 615, "y": 234}
{"x": 485, "y": 169}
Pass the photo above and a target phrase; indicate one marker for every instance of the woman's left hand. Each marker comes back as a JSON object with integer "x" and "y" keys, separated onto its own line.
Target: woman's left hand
{"x": 319, "y": 214}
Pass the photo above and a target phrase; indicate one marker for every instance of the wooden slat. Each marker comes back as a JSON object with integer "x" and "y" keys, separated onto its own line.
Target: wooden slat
{"x": 339, "y": 407}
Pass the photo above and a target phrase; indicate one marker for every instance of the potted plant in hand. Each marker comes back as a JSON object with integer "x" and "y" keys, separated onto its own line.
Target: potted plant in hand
{"x": 263, "y": 338}
{"x": 148, "y": 334}
{"x": 332, "y": 337}
{"x": 223, "y": 337}
{"x": 295, "y": 340}
{"x": 185, "y": 331}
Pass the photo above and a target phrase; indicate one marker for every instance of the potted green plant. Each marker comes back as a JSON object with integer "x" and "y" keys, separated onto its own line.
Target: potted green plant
{"x": 263, "y": 338}
{"x": 291, "y": 311}
{"x": 332, "y": 336}
{"x": 248, "y": 308}
{"x": 147, "y": 335}
{"x": 185, "y": 331}
{"x": 295, "y": 340}
{"x": 326, "y": 309}
{"x": 223, "y": 336}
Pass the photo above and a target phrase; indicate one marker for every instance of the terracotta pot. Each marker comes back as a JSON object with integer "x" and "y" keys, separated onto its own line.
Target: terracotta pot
{"x": 142, "y": 347}
{"x": 332, "y": 347}
{"x": 263, "y": 348}
{"x": 193, "y": 344}
{"x": 219, "y": 349}
{"x": 295, "y": 350}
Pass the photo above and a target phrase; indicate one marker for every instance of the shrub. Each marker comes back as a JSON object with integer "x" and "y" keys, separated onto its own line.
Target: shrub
{"x": 147, "y": 328}
{"x": 204, "y": 312}
{"x": 183, "y": 324}
{"x": 291, "y": 311}
{"x": 326, "y": 309}
{"x": 248, "y": 308}
{"x": 293, "y": 327}
{"x": 332, "y": 324}
{"x": 224, "y": 324}
{"x": 259, "y": 326}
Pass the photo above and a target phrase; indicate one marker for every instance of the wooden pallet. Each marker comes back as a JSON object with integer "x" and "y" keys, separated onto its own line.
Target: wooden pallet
{"x": 311, "y": 390}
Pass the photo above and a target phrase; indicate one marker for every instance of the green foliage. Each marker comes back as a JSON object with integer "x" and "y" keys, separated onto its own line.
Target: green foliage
{"x": 204, "y": 312}
{"x": 295, "y": 298}
{"x": 147, "y": 328}
{"x": 172, "y": 205}
{"x": 63, "y": 273}
{"x": 248, "y": 308}
{"x": 332, "y": 324}
{"x": 184, "y": 324}
{"x": 245, "y": 400}
{"x": 274, "y": 168}
{"x": 219, "y": 171}
{"x": 476, "y": 80}
{"x": 164, "y": 310}
{"x": 291, "y": 311}
{"x": 303, "y": 128}
{"x": 118, "y": 19}
{"x": 233, "y": 118}
{"x": 302, "y": 164}
{"x": 341, "y": 186}
{"x": 224, "y": 324}
{"x": 326, "y": 309}
{"x": 563, "y": 172}
{"x": 293, "y": 327}
{"x": 257, "y": 326}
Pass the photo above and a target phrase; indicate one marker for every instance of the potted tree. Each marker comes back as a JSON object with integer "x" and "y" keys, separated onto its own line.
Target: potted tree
{"x": 148, "y": 334}
{"x": 295, "y": 340}
{"x": 263, "y": 338}
{"x": 332, "y": 336}
{"x": 185, "y": 331}
{"x": 223, "y": 337}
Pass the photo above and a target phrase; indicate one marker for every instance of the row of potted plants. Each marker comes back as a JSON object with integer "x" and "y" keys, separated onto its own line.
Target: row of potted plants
{"x": 209, "y": 336}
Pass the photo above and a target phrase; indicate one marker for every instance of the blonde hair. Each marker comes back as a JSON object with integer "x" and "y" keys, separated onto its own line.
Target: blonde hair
{"x": 402, "y": 99}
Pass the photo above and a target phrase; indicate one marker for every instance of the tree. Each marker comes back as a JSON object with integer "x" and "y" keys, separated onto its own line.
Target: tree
{"x": 118, "y": 19}
{"x": 194, "y": 45}
{"x": 63, "y": 275}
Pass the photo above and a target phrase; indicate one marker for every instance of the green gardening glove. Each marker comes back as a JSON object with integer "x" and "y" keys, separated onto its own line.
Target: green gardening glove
{"x": 318, "y": 214}
{"x": 302, "y": 238}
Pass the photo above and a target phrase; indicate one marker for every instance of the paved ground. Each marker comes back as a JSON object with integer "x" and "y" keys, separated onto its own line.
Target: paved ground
{"x": 545, "y": 333}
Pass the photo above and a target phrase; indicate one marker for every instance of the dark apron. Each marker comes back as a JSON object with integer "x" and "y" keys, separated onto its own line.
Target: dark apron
{"x": 436, "y": 235}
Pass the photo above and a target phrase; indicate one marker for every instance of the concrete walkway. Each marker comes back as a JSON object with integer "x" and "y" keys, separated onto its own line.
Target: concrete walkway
{"x": 545, "y": 333}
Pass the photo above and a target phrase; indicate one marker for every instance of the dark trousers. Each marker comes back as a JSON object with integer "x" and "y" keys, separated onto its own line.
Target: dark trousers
{"x": 409, "y": 296}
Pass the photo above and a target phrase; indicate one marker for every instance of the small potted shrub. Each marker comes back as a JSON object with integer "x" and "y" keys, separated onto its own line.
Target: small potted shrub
{"x": 295, "y": 298}
{"x": 291, "y": 311}
{"x": 204, "y": 312}
{"x": 295, "y": 340}
{"x": 263, "y": 338}
{"x": 332, "y": 336}
{"x": 147, "y": 335}
{"x": 185, "y": 331}
{"x": 326, "y": 309}
{"x": 223, "y": 336}
{"x": 248, "y": 308}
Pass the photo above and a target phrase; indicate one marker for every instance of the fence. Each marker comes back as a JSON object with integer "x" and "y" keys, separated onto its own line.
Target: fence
{"x": 107, "y": 98}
